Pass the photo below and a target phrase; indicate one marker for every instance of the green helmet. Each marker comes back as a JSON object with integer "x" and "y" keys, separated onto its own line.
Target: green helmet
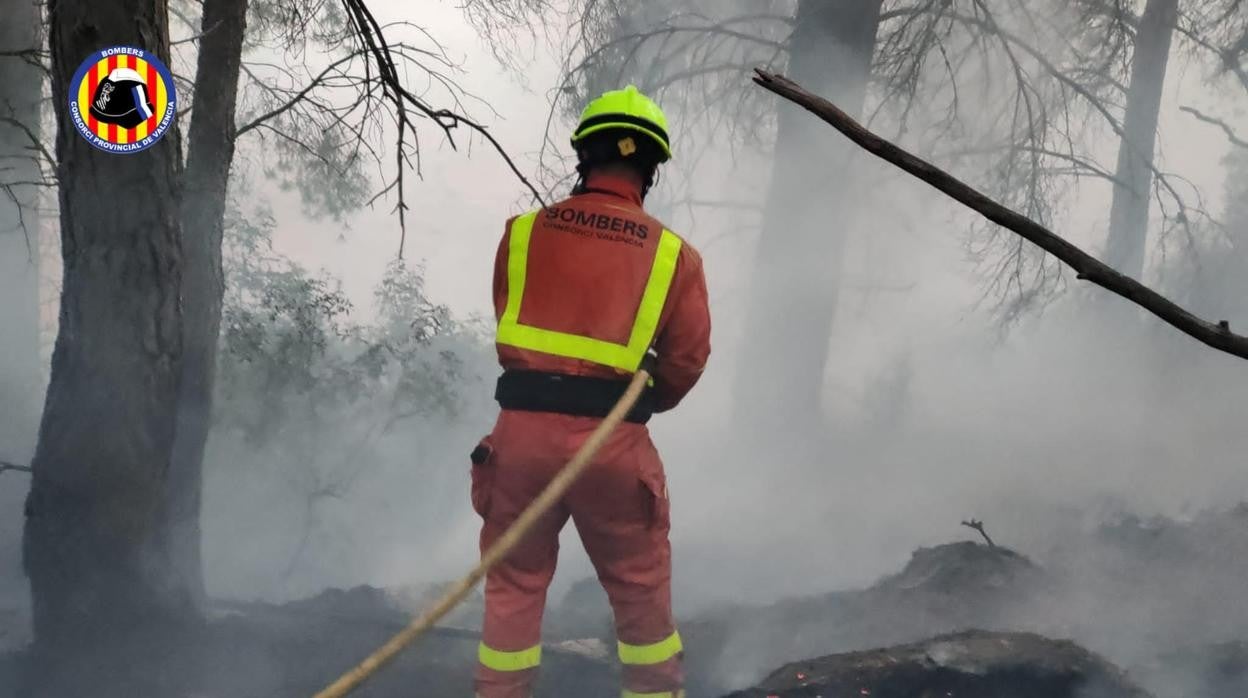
{"x": 629, "y": 109}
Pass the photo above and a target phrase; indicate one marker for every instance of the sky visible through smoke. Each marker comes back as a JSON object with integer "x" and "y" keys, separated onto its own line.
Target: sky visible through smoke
{"x": 935, "y": 416}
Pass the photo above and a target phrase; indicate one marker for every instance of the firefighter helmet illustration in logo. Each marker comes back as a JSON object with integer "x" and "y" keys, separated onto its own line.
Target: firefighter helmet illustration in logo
{"x": 122, "y": 100}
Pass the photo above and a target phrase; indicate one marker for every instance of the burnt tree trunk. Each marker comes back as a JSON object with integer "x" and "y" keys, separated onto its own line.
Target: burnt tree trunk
{"x": 796, "y": 275}
{"x": 1127, "y": 244}
{"x": 21, "y": 82}
{"x": 100, "y": 571}
{"x": 209, "y": 154}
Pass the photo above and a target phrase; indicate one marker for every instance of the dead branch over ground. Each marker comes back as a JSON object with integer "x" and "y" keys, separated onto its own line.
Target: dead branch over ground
{"x": 979, "y": 526}
{"x": 1218, "y": 336}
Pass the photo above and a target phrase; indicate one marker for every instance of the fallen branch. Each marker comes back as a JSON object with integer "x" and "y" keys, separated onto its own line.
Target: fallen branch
{"x": 1088, "y": 268}
{"x": 979, "y": 526}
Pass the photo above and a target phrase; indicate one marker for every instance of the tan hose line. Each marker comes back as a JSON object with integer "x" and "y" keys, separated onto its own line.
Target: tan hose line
{"x": 495, "y": 553}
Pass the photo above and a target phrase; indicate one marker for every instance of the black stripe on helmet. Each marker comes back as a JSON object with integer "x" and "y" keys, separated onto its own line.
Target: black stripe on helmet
{"x": 622, "y": 119}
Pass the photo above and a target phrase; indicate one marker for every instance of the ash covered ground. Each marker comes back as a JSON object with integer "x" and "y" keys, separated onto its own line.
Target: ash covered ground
{"x": 963, "y": 619}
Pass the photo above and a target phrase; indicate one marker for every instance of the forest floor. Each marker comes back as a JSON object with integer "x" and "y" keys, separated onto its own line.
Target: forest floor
{"x": 905, "y": 636}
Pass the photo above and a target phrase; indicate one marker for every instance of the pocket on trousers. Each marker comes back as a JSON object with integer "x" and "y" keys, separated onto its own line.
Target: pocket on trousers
{"x": 659, "y": 506}
{"x": 482, "y": 471}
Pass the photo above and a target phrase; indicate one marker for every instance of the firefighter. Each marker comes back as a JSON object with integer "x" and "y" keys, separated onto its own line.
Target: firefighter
{"x": 585, "y": 290}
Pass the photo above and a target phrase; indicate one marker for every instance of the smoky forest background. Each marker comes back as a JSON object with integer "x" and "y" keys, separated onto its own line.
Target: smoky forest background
{"x": 241, "y": 371}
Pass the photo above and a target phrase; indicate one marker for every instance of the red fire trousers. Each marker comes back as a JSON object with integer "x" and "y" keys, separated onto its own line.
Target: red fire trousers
{"x": 620, "y": 509}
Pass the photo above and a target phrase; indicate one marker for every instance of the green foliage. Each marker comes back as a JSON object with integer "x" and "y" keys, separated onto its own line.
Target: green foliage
{"x": 292, "y": 354}
{"x": 409, "y": 328}
{"x": 319, "y": 162}
{"x": 311, "y": 132}
{"x": 328, "y": 430}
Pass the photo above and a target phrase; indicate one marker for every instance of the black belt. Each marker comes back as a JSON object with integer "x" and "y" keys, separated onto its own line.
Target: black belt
{"x": 581, "y": 396}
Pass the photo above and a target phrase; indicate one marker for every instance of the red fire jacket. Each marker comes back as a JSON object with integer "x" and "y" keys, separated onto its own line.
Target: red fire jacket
{"x": 601, "y": 244}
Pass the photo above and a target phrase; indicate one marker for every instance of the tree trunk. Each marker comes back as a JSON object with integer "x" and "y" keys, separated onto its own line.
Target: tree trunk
{"x": 100, "y": 571}
{"x": 21, "y": 82}
{"x": 209, "y": 154}
{"x": 798, "y": 261}
{"x": 1128, "y": 219}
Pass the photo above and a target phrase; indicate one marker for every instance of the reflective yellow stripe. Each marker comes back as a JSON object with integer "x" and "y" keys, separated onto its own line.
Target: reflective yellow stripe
{"x": 657, "y": 653}
{"x": 499, "y": 660}
{"x": 665, "y": 694}
{"x": 645, "y": 324}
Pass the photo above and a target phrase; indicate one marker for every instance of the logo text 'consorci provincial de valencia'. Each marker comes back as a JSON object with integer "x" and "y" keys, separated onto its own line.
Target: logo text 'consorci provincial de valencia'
{"x": 122, "y": 100}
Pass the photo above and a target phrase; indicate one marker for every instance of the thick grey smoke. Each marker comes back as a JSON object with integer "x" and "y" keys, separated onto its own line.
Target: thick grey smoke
{"x": 933, "y": 416}
{"x": 1072, "y": 418}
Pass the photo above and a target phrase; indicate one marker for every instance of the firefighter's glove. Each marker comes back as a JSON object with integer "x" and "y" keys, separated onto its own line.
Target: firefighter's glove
{"x": 650, "y": 363}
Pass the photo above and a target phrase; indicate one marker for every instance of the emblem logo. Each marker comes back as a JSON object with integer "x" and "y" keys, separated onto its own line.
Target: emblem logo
{"x": 122, "y": 100}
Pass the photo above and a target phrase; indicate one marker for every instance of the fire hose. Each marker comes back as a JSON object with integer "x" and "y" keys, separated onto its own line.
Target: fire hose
{"x": 499, "y": 550}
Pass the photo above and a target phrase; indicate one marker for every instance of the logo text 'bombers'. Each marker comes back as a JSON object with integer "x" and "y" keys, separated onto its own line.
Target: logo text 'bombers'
{"x": 122, "y": 100}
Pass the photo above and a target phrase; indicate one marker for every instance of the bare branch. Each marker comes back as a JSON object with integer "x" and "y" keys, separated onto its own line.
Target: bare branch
{"x": 1083, "y": 91}
{"x": 5, "y": 465}
{"x": 1218, "y": 336}
{"x": 35, "y": 57}
{"x": 1226, "y": 128}
{"x": 979, "y": 526}
{"x": 9, "y": 187}
{"x": 1229, "y": 61}
{"x": 35, "y": 143}
{"x": 371, "y": 35}
{"x": 299, "y": 96}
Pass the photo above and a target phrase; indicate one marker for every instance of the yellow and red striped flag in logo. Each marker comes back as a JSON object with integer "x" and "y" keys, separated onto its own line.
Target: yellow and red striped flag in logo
{"x": 156, "y": 92}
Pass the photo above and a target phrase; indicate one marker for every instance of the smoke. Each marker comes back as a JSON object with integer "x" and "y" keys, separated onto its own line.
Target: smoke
{"x": 934, "y": 412}
{"x": 1054, "y": 431}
